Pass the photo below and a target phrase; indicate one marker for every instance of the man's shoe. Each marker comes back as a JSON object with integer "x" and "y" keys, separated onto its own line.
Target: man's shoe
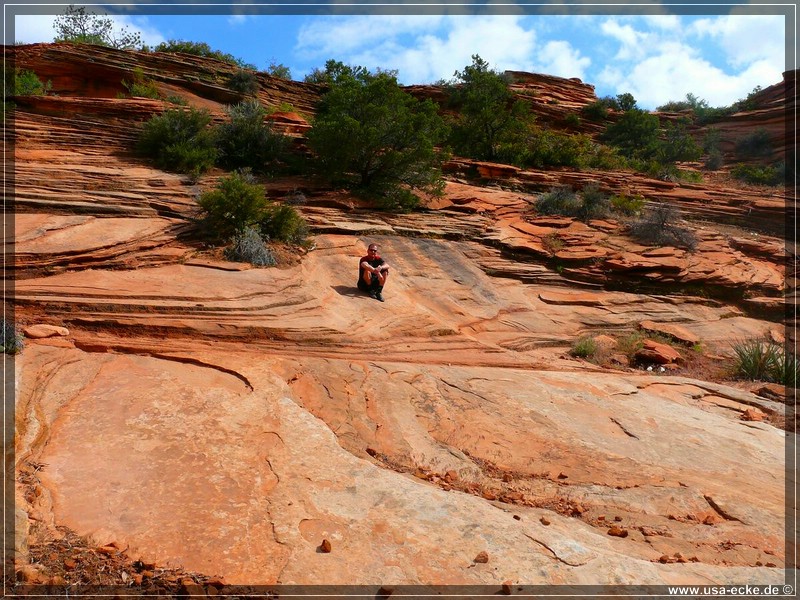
{"x": 373, "y": 294}
{"x": 379, "y": 296}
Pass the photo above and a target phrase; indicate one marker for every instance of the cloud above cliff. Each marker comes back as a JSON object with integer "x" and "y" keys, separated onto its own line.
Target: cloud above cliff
{"x": 656, "y": 57}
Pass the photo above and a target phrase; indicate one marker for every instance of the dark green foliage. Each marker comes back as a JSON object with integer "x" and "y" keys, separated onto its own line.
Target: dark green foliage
{"x": 590, "y": 204}
{"x": 596, "y": 111}
{"x": 488, "y": 114}
{"x": 12, "y": 341}
{"x": 585, "y": 347}
{"x": 370, "y": 134}
{"x": 678, "y": 145}
{"x": 179, "y": 140}
{"x": 334, "y": 72}
{"x": 279, "y": 70}
{"x": 714, "y": 160}
{"x": 246, "y": 141}
{"x": 77, "y": 25}
{"x": 594, "y": 203}
{"x": 572, "y": 120}
{"x": 141, "y": 86}
{"x": 560, "y": 200}
{"x": 628, "y": 205}
{"x": 236, "y": 203}
{"x": 761, "y": 174}
{"x": 757, "y": 143}
{"x": 659, "y": 227}
{"x": 625, "y": 102}
{"x": 201, "y": 49}
{"x": 243, "y": 82}
{"x": 26, "y": 83}
{"x": 635, "y": 134}
{"x": 248, "y": 246}
{"x": 284, "y": 223}
{"x": 766, "y": 361}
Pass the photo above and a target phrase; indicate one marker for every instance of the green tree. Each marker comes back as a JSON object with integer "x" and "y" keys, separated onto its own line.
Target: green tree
{"x": 78, "y": 25}
{"x": 371, "y": 134}
{"x": 626, "y": 102}
{"x": 678, "y": 145}
{"x": 279, "y": 70}
{"x": 488, "y": 116}
{"x": 245, "y": 140}
{"x": 635, "y": 134}
{"x": 334, "y": 72}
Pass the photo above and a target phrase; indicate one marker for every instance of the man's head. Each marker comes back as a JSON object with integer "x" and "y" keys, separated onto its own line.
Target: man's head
{"x": 372, "y": 249}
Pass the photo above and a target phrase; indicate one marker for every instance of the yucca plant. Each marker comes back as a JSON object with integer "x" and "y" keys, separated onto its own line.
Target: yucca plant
{"x": 766, "y": 361}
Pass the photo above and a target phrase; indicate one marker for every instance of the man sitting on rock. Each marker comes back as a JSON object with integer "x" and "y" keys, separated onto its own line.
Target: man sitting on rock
{"x": 372, "y": 273}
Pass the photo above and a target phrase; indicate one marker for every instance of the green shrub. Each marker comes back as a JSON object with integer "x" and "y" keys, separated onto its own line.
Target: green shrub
{"x": 27, "y": 83}
{"x": 236, "y": 203}
{"x": 200, "y": 49}
{"x": 177, "y": 100}
{"x": 246, "y": 141}
{"x": 248, "y": 246}
{"x": 585, "y": 347}
{"x": 141, "y": 86}
{"x": 596, "y": 111}
{"x": 760, "y": 174}
{"x": 560, "y": 200}
{"x": 243, "y": 82}
{"x": 179, "y": 140}
{"x": 284, "y": 224}
{"x": 765, "y": 361}
{"x": 12, "y": 342}
{"x": 572, "y": 120}
{"x": 678, "y": 145}
{"x": 757, "y": 143}
{"x": 714, "y": 160}
{"x": 659, "y": 227}
{"x": 628, "y": 205}
{"x": 594, "y": 203}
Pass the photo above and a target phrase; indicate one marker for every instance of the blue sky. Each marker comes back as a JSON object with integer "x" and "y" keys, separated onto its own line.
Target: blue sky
{"x": 656, "y": 57}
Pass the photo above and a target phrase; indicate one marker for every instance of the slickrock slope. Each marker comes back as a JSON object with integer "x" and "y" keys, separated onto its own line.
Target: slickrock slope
{"x": 227, "y": 420}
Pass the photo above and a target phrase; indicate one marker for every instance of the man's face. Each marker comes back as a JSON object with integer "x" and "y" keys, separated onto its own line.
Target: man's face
{"x": 372, "y": 250}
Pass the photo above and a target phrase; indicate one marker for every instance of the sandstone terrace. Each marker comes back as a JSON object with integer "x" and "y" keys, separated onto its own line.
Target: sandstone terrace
{"x": 225, "y": 420}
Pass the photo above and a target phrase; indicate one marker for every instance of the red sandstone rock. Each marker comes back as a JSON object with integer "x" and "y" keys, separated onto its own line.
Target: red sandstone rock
{"x": 482, "y": 557}
{"x": 658, "y": 353}
{"x": 326, "y": 546}
{"x": 616, "y": 531}
{"x": 44, "y": 331}
{"x": 676, "y": 332}
{"x": 753, "y": 414}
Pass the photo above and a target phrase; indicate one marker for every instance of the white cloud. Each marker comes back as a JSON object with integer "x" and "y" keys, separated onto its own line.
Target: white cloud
{"x": 30, "y": 29}
{"x": 236, "y": 20}
{"x": 561, "y": 59}
{"x": 677, "y": 70}
{"x": 334, "y": 36}
{"x": 745, "y": 39}
{"x": 422, "y": 49}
